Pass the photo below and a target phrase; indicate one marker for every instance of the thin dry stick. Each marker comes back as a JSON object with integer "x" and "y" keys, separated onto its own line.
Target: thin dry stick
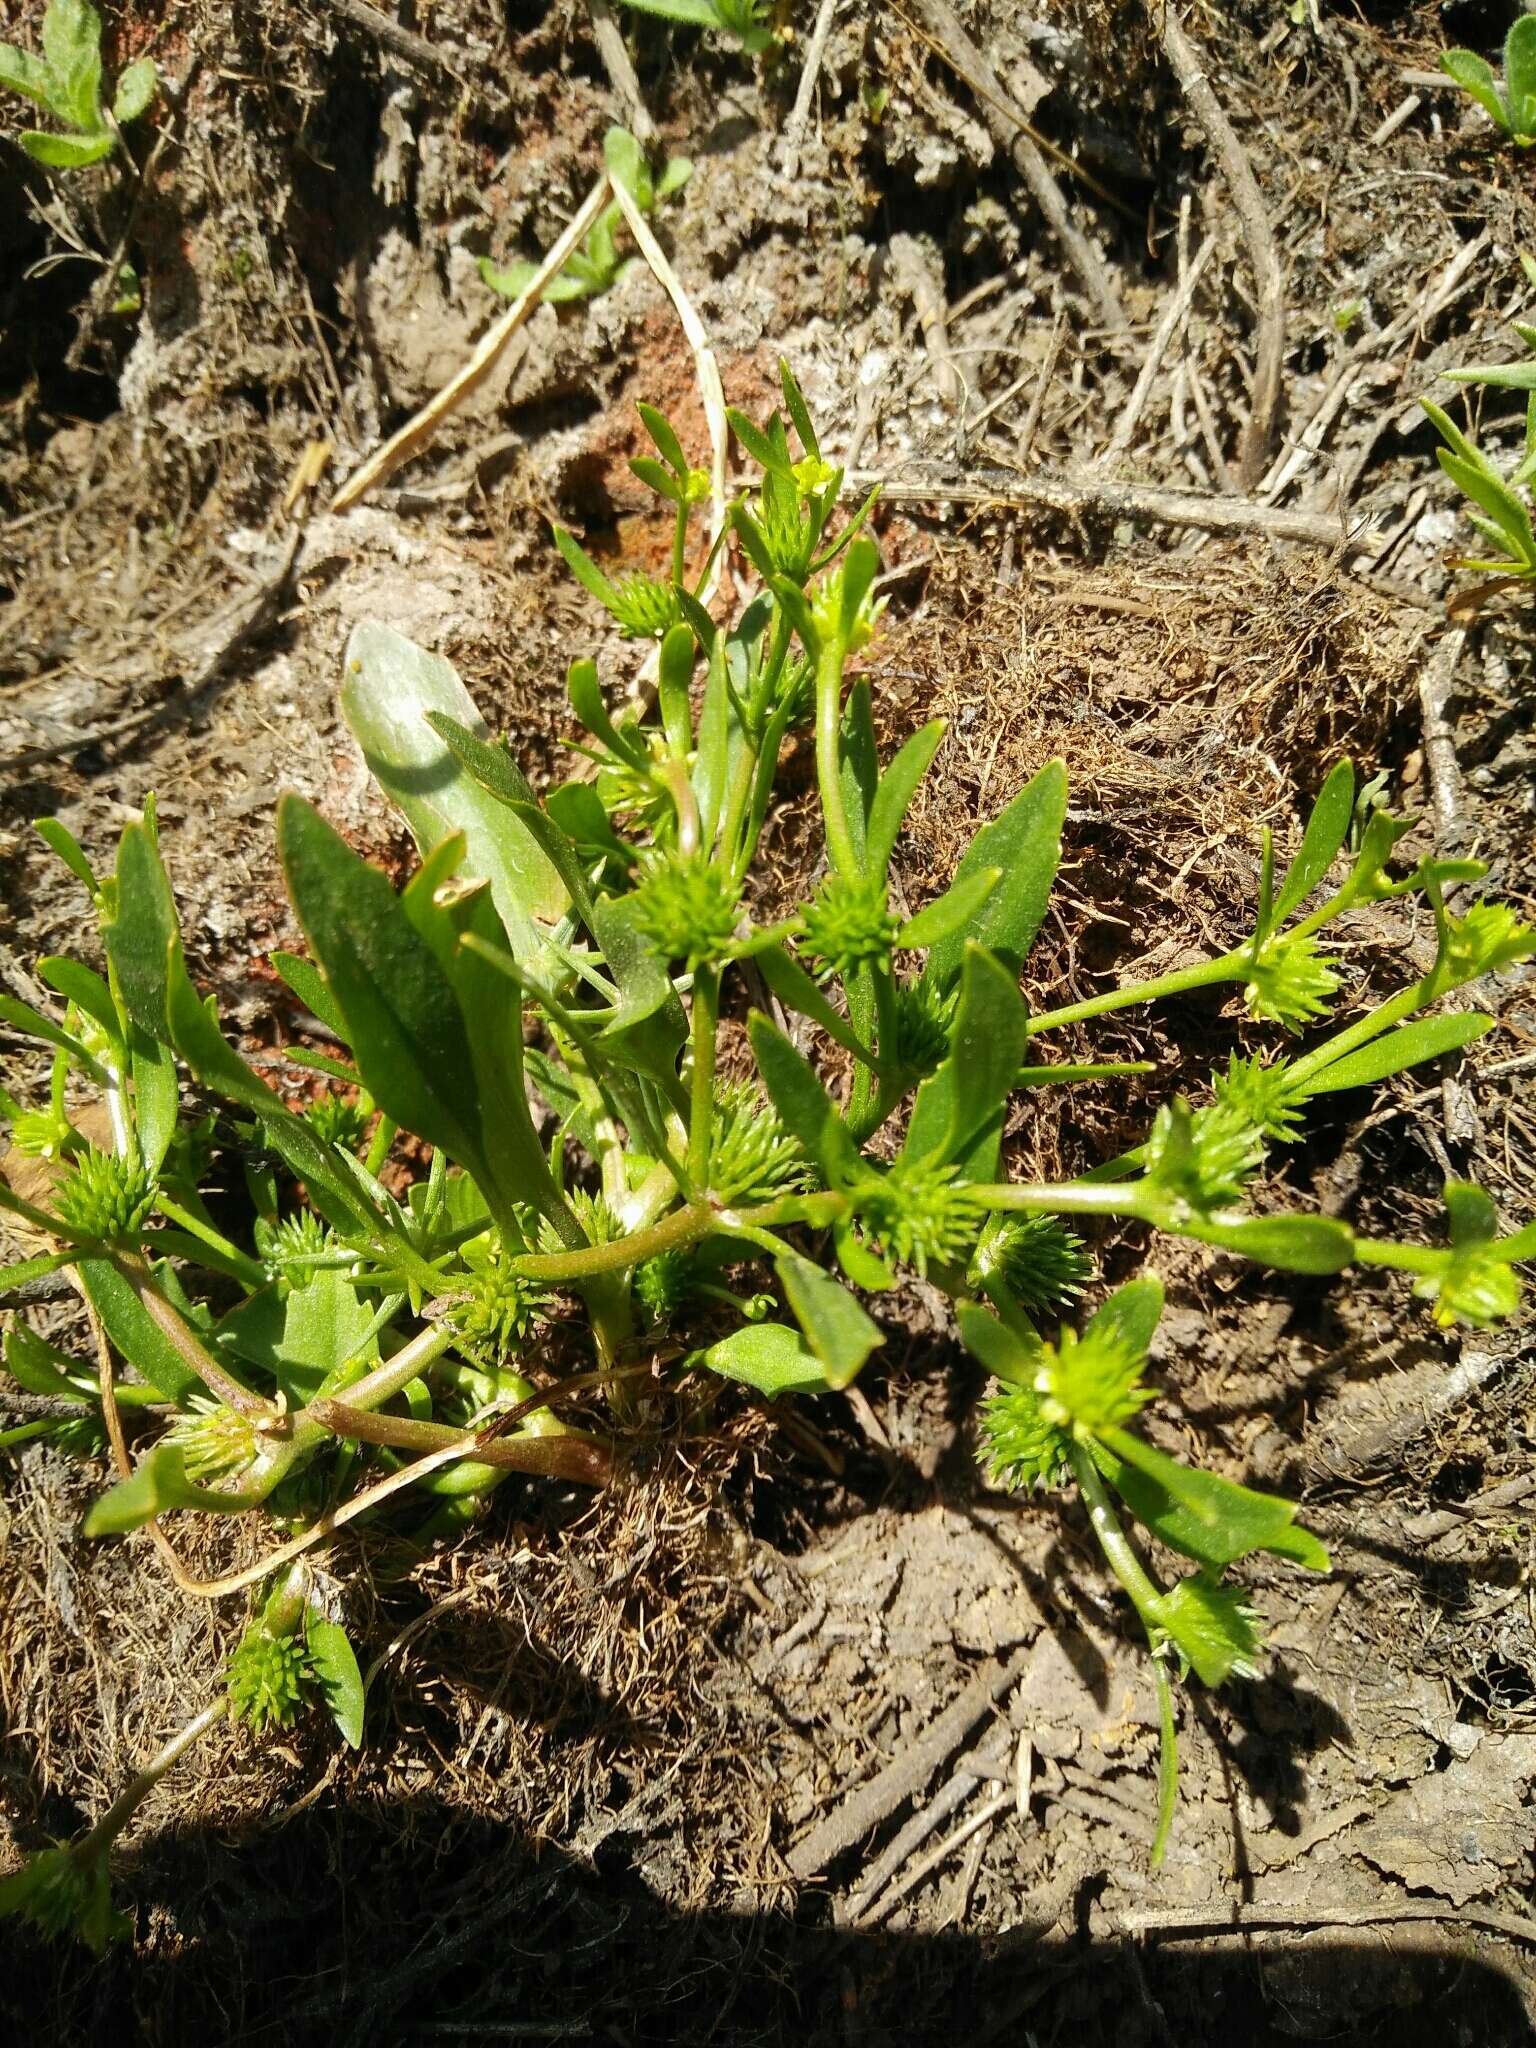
{"x": 911, "y": 1879}
{"x": 419, "y": 430}
{"x": 404, "y": 42}
{"x": 614, "y": 51}
{"x": 1077, "y": 495}
{"x": 969, "y": 1772}
{"x": 1011, "y": 129}
{"x": 1264, "y": 400}
{"x": 1241, "y": 1920}
{"x": 805, "y": 92}
{"x": 1176, "y": 313}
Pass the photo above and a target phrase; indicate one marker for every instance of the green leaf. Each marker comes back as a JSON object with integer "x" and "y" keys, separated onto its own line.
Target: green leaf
{"x": 756, "y": 444}
{"x": 1003, "y": 1351}
{"x": 308, "y": 984}
{"x": 68, "y": 848}
{"x": 159, "y": 1481}
{"x": 837, "y": 1329}
{"x": 801, "y": 1101}
{"x": 1199, "y": 1514}
{"x": 1410, "y": 1045}
{"x": 341, "y": 1682}
{"x": 403, "y": 1020}
{"x": 587, "y": 702}
{"x": 135, "y": 90}
{"x": 1472, "y": 1217}
{"x": 1474, "y": 74}
{"x": 391, "y": 685}
{"x": 953, "y": 912}
{"x": 1130, "y": 1315}
{"x": 674, "y": 675}
{"x": 1024, "y": 841}
{"x": 1520, "y": 76}
{"x": 26, "y": 1270}
{"x": 797, "y": 408}
{"x": 142, "y": 930}
{"x": 1297, "y": 1244}
{"x": 21, "y": 72}
{"x": 22, "y": 1017}
{"x": 986, "y": 1040}
{"x": 72, "y": 52}
{"x": 656, "y": 477}
{"x": 859, "y": 764}
{"x": 85, "y": 989}
{"x": 35, "y": 1364}
{"x": 769, "y": 1356}
{"x": 661, "y": 431}
{"x": 796, "y": 990}
{"x": 1327, "y": 830}
{"x": 134, "y": 1333}
{"x": 66, "y": 152}
{"x": 303, "y": 1339}
{"x": 500, "y": 777}
{"x": 155, "y": 1098}
{"x": 896, "y": 788}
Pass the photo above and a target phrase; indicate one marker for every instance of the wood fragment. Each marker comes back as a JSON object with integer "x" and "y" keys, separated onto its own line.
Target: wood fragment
{"x": 805, "y": 92}
{"x": 393, "y": 35}
{"x": 1010, "y": 127}
{"x": 420, "y": 428}
{"x": 619, "y": 65}
{"x": 1175, "y": 313}
{"x": 1075, "y": 495}
{"x": 867, "y": 1805}
{"x": 1237, "y": 1920}
{"x": 1264, "y": 399}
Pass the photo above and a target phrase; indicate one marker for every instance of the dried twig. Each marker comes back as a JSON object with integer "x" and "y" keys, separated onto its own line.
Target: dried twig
{"x": 1264, "y": 399}
{"x": 619, "y": 65}
{"x": 1076, "y": 495}
{"x": 404, "y": 42}
{"x": 420, "y": 428}
{"x": 805, "y": 92}
{"x": 911, "y": 1879}
{"x": 1174, "y": 315}
{"x": 1239, "y": 1920}
{"x": 1013, "y": 132}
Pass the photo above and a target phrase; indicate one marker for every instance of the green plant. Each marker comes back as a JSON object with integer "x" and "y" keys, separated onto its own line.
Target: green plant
{"x": 66, "y": 81}
{"x": 744, "y": 21}
{"x": 1512, "y": 107}
{"x": 597, "y": 266}
{"x": 1504, "y": 514}
{"x": 350, "y": 1351}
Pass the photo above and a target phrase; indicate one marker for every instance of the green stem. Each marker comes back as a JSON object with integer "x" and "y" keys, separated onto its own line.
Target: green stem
{"x": 1074, "y": 1198}
{"x": 1406, "y": 1258}
{"x": 701, "y": 1112}
{"x": 1167, "y": 1761}
{"x": 1119, "y": 1551}
{"x": 189, "y": 1347}
{"x": 736, "y": 857}
{"x": 1228, "y": 967}
{"x": 242, "y": 1266}
{"x": 829, "y": 705}
{"x": 1363, "y": 1030}
{"x": 138, "y": 1789}
{"x": 557, "y": 1269}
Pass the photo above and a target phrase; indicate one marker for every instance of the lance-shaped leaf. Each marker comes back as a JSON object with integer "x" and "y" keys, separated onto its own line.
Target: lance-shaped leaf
{"x": 1408, "y": 1046}
{"x": 1201, "y": 1515}
{"x": 895, "y": 792}
{"x": 1005, "y": 1352}
{"x": 335, "y": 1667}
{"x": 159, "y": 1481}
{"x": 390, "y": 687}
{"x": 493, "y": 768}
{"x": 836, "y": 1328}
{"x": 956, "y": 911}
{"x": 135, "y": 1333}
{"x": 1327, "y": 830}
{"x": 797, "y": 991}
{"x": 1213, "y": 1628}
{"x": 969, "y": 1088}
{"x": 1024, "y": 842}
{"x": 807, "y": 1109}
{"x": 768, "y": 1356}
{"x": 403, "y": 1019}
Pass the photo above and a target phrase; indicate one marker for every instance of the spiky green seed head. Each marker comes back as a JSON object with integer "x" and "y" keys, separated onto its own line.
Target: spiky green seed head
{"x": 847, "y": 924}
{"x": 1042, "y": 1263}
{"x": 41, "y": 1134}
{"x": 1291, "y": 983}
{"x": 269, "y": 1679}
{"x": 688, "y": 909}
{"x": 919, "y": 1213}
{"x": 106, "y": 1197}
{"x": 215, "y": 1442}
{"x": 337, "y": 1120}
{"x": 65, "y": 1893}
{"x": 1020, "y": 1448}
{"x": 501, "y": 1306}
{"x": 664, "y": 1283}
{"x": 1489, "y": 937}
{"x": 1091, "y": 1381}
{"x": 597, "y": 1220}
{"x": 924, "y": 1016}
{"x": 292, "y": 1247}
{"x": 644, "y": 606}
{"x": 1260, "y": 1092}
{"x": 1205, "y": 1156}
{"x": 752, "y": 1157}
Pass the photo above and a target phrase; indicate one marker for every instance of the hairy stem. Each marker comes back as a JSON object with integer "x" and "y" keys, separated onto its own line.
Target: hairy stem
{"x": 701, "y": 1112}
{"x": 1228, "y": 967}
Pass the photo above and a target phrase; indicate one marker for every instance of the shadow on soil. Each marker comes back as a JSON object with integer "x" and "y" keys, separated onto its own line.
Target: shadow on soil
{"x": 406, "y": 1923}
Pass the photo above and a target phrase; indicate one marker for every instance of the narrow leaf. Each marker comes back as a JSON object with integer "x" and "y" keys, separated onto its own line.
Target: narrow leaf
{"x": 895, "y": 792}
{"x": 956, "y": 911}
{"x": 769, "y": 1356}
{"x": 341, "y": 1682}
{"x": 1024, "y": 841}
{"x": 801, "y": 1100}
{"x": 1410, "y": 1045}
{"x": 1327, "y": 830}
{"x": 837, "y": 1329}
{"x": 1201, "y": 1515}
